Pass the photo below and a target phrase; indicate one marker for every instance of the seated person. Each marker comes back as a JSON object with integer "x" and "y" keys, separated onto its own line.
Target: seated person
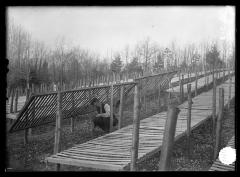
{"x": 102, "y": 119}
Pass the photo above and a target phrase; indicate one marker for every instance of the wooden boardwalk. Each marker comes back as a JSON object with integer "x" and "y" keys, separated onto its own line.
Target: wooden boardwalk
{"x": 113, "y": 151}
{"x": 200, "y": 83}
{"x": 218, "y": 166}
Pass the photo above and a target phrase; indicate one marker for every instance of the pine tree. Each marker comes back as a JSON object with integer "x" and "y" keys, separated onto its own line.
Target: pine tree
{"x": 116, "y": 64}
{"x": 212, "y": 57}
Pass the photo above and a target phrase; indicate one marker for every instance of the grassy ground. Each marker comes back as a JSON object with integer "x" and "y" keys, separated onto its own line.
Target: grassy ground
{"x": 31, "y": 157}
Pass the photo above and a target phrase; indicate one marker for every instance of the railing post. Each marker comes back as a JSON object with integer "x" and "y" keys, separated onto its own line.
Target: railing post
{"x": 205, "y": 76}
{"x": 159, "y": 97}
{"x": 16, "y": 101}
{"x": 182, "y": 89}
{"x": 8, "y": 94}
{"x": 28, "y": 131}
{"x": 57, "y": 142}
{"x": 223, "y": 74}
{"x": 182, "y": 86}
{"x": 189, "y": 119}
{"x": 85, "y": 82}
{"x": 196, "y": 82}
{"x": 179, "y": 79}
{"x": 214, "y": 103}
{"x": 168, "y": 138}
{"x": 121, "y": 107}
{"x": 144, "y": 94}
{"x": 207, "y": 82}
{"x": 73, "y": 109}
{"x": 229, "y": 87}
{"x": 11, "y": 101}
{"x": 111, "y": 107}
{"x": 135, "y": 135}
{"x": 219, "y": 122}
{"x": 169, "y": 94}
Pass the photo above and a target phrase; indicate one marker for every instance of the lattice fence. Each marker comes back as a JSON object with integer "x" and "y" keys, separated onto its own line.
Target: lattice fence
{"x": 41, "y": 108}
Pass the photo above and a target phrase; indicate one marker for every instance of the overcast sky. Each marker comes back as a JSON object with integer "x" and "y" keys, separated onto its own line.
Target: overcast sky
{"x": 102, "y": 29}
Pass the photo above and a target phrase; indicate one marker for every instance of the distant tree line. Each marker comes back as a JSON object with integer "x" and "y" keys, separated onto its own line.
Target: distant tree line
{"x": 31, "y": 62}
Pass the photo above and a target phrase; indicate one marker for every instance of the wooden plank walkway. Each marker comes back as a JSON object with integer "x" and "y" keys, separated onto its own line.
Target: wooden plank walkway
{"x": 113, "y": 151}
{"x": 218, "y": 166}
{"x": 200, "y": 83}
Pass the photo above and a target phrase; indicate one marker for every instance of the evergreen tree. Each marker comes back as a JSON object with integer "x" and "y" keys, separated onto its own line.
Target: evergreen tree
{"x": 212, "y": 57}
{"x": 116, "y": 64}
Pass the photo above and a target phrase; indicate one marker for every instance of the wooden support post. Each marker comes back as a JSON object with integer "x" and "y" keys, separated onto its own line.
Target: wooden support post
{"x": 179, "y": 79}
{"x": 135, "y": 135}
{"x": 28, "y": 131}
{"x": 97, "y": 80}
{"x": 72, "y": 116}
{"x": 41, "y": 88}
{"x": 183, "y": 84}
{"x": 108, "y": 79}
{"x": 33, "y": 89}
{"x": 182, "y": 89}
{"x": 229, "y": 87}
{"x": 25, "y": 136}
{"x": 205, "y": 74}
{"x": 169, "y": 93}
{"x": 207, "y": 82}
{"x": 78, "y": 85}
{"x": 214, "y": 103}
{"x": 16, "y": 101}
{"x": 144, "y": 95}
{"x": 168, "y": 137}
{"x": 159, "y": 97}
{"x": 8, "y": 94}
{"x": 196, "y": 82}
{"x": 111, "y": 108}
{"x": 85, "y": 82}
{"x": 190, "y": 72}
{"x": 223, "y": 74}
{"x": 33, "y": 117}
{"x": 28, "y": 94}
{"x": 121, "y": 107}
{"x": 219, "y": 123}
{"x": 189, "y": 120}
{"x": 11, "y": 101}
{"x": 57, "y": 142}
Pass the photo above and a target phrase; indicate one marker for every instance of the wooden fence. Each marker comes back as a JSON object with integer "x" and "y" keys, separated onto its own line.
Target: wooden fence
{"x": 41, "y": 108}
